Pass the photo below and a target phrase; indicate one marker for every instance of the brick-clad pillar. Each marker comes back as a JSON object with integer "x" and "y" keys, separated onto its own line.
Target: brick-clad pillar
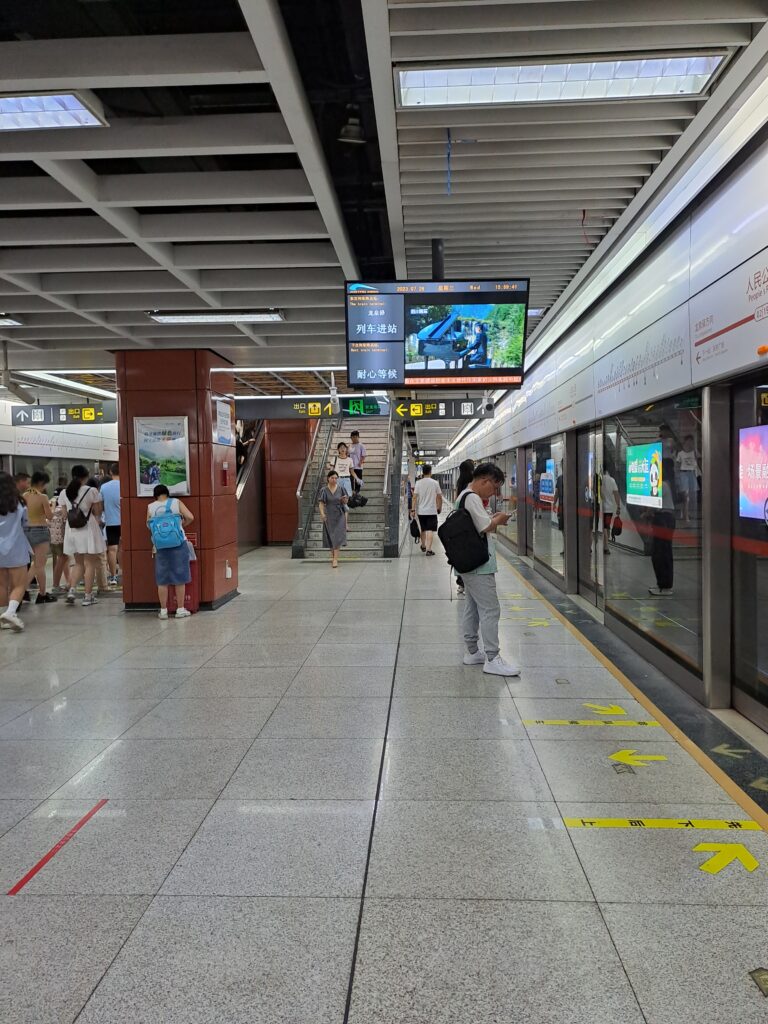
{"x": 179, "y": 383}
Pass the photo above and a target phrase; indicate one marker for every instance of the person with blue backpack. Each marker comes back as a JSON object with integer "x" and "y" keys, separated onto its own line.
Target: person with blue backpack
{"x": 166, "y": 519}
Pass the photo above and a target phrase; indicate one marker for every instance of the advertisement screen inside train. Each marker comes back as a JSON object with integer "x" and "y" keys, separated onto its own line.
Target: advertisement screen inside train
{"x": 753, "y": 473}
{"x": 644, "y": 475}
{"x": 436, "y": 333}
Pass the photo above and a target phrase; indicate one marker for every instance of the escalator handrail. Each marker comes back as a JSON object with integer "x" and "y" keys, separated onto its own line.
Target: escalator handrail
{"x": 244, "y": 473}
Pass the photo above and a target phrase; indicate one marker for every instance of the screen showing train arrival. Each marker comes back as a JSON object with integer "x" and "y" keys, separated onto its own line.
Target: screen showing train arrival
{"x": 436, "y": 333}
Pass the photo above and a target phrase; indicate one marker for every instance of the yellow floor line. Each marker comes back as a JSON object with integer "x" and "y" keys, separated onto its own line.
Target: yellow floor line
{"x": 734, "y": 791}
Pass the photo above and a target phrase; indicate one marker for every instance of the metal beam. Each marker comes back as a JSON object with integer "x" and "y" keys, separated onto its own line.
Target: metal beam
{"x": 35, "y": 194}
{"x": 54, "y": 260}
{"x": 539, "y": 132}
{"x": 463, "y": 158}
{"x": 146, "y": 299}
{"x": 266, "y": 26}
{"x": 500, "y": 188}
{"x": 225, "y": 227}
{"x": 129, "y": 62}
{"x": 212, "y": 135}
{"x": 480, "y": 171}
{"x": 209, "y": 188}
{"x": 510, "y": 45}
{"x": 256, "y": 255}
{"x": 537, "y": 147}
{"x": 331, "y": 278}
{"x": 569, "y": 15}
{"x": 378, "y": 44}
{"x": 466, "y": 119}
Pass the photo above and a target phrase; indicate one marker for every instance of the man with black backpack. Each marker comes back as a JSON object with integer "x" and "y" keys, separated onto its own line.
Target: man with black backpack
{"x": 467, "y": 537}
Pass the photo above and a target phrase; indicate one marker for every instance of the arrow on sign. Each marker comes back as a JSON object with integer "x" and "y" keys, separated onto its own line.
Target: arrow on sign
{"x": 401, "y": 410}
{"x": 606, "y": 709}
{"x": 725, "y": 854}
{"x": 727, "y": 751}
{"x": 22, "y": 415}
{"x": 761, "y": 783}
{"x": 634, "y": 759}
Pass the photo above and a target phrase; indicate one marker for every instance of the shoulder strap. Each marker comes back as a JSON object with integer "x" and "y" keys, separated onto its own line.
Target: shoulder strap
{"x": 168, "y": 505}
{"x": 463, "y": 499}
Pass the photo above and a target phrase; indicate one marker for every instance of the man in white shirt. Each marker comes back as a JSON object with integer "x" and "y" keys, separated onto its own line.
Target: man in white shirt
{"x": 427, "y": 503}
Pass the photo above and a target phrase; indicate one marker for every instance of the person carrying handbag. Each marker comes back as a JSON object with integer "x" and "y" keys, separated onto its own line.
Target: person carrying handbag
{"x": 83, "y": 539}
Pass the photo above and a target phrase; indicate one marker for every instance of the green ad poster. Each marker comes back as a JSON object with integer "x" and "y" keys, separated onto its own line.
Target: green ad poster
{"x": 644, "y": 474}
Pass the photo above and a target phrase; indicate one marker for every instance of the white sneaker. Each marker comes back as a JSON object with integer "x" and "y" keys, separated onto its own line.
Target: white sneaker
{"x": 660, "y": 592}
{"x": 88, "y": 600}
{"x": 163, "y": 613}
{"x": 476, "y": 658}
{"x": 13, "y": 620}
{"x": 183, "y": 613}
{"x": 499, "y": 667}
{"x": 70, "y": 598}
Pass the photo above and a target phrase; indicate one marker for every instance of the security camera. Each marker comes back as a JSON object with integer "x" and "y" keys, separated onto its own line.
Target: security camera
{"x": 487, "y": 402}
{"x": 18, "y": 391}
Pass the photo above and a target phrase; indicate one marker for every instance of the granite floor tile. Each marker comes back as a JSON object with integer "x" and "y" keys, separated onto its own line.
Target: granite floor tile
{"x": 17, "y": 683}
{"x": 187, "y": 656}
{"x": 166, "y": 769}
{"x": 564, "y": 682}
{"x": 328, "y": 718}
{"x": 54, "y": 950}
{"x": 692, "y": 966}
{"x": 12, "y": 811}
{"x": 307, "y": 769}
{"x": 547, "y": 655}
{"x": 578, "y": 771}
{"x": 10, "y": 709}
{"x": 260, "y": 961}
{"x": 200, "y": 717}
{"x": 334, "y": 681}
{"x": 465, "y": 718}
{"x": 360, "y": 634}
{"x": 65, "y": 719}
{"x": 261, "y": 654}
{"x": 128, "y": 684}
{"x": 461, "y": 769}
{"x": 445, "y": 655}
{"x": 126, "y": 848}
{"x": 454, "y": 681}
{"x": 237, "y": 681}
{"x": 353, "y": 656}
{"x": 276, "y": 848}
{"x": 35, "y": 768}
{"x": 533, "y": 711}
{"x": 643, "y": 865}
{"x": 489, "y": 962}
{"x": 473, "y": 850}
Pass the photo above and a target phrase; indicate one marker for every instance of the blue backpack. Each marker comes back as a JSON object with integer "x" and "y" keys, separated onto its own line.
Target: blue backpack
{"x": 165, "y": 528}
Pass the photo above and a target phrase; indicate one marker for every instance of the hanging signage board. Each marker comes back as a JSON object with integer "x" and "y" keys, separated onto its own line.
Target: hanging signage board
{"x": 308, "y": 408}
{"x": 47, "y": 415}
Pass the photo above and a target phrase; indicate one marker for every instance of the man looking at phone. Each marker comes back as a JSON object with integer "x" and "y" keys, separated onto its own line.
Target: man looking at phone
{"x": 481, "y": 608}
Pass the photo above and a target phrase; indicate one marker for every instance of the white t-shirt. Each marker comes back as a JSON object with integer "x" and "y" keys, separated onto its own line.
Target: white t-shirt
{"x": 608, "y": 490}
{"x": 427, "y": 490}
{"x": 481, "y": 517}
{"x": 687, "y": 462}
{"x": 157, "y": 508}
{"x": 341, "y": 465}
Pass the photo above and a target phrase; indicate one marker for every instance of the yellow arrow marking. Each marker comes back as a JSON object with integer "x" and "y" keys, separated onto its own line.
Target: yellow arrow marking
{"x": 585, "y": 721}
{"x": 728, "y": 751}
{"x": 633, "y": 758}
{"x": 605, "y": 709}
{"x": 401, "y": 410}
{"x": 713, "y": 824}
{"x": 761, "y": 783}
{"x": 329, "y": 408}
{"x": 725, "y": 854}
{"x": 538, "y": 622}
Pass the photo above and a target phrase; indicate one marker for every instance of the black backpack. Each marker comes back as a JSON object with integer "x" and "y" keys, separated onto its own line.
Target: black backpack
{"x": 465, "y": 548}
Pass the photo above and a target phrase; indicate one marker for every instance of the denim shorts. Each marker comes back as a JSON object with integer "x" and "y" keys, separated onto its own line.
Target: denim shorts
{"x": 38, "y": 535}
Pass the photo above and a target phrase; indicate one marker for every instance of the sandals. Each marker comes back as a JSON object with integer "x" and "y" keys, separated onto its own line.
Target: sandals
{"x": 334, "y": 565}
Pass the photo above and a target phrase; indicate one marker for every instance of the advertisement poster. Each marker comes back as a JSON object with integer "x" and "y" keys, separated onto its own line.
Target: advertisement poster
{"x": 162, "y": 454}
{"x": 547, "y": 483}
{"x": 222, "y": 427}
{"x": 753, "y": 473}
{"x": 644, "y": 474}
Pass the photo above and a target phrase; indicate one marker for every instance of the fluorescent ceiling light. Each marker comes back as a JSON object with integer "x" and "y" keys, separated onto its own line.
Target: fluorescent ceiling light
{"x": 66, "y": 385}
{"x": 273, "y": 369}
{"x": 536, "y": 312}
{"x": 51, "y": 110}
{"x": 256, "y": 316}
{"x": 9, "y": 321}
{"x": 557, "y": 83}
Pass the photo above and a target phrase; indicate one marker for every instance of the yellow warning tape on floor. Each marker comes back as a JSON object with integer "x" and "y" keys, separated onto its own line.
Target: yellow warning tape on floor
{"x": 684, "y": 823}
{"x": 583, "y": 721}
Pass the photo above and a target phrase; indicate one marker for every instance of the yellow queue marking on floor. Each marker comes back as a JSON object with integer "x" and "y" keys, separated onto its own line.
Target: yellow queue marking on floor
{"x": 725, "y": 854}
{"x": 713, "y": 824}
{"x": 635, "y": 759}
{"x": 605, "y": 709}
{"x": 726, "y": 783}
{"x": 583, "y": 721}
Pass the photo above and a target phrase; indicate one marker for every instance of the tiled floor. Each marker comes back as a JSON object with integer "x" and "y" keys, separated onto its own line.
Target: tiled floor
{"x": 316, "y": 814}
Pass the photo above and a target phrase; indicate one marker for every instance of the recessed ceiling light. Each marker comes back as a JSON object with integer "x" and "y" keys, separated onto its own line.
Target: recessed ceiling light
{"x": 536, "y": 312}
{"x": 9, "y": 321}
{"x": 556, "y": 83}
{"x": 51, "y": 110}
{"x": 259, "y": 316}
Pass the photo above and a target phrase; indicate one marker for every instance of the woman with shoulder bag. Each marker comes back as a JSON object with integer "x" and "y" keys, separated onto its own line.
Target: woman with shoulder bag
{"x": 15, "y": 552}
{"x": 166, "y": 519}
{"x": 83, "y": 539}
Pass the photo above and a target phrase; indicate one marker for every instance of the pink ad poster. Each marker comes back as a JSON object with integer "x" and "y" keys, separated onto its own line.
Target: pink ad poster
{"x": 753, "y": 473}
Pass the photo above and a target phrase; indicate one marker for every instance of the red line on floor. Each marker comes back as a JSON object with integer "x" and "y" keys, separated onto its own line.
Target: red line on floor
{"x": 54, "y": 850}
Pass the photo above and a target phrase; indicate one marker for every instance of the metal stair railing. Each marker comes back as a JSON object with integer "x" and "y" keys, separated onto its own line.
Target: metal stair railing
{"x": 311, "y": 480}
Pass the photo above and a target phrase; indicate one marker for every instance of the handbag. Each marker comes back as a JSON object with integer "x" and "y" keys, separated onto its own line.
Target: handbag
{"x": 415, "y": 531}
{"x": 76, "y": 518}
{"x": 616, "y": 526}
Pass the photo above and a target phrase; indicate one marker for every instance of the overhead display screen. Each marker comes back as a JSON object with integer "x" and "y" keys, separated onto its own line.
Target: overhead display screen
{"x": 436, "y": 333}
{"x": 753, "y": 473}
{"x": 644, "y": 475}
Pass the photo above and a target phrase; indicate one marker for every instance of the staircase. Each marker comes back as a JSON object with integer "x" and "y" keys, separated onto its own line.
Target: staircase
{"x": 365, "y": 537}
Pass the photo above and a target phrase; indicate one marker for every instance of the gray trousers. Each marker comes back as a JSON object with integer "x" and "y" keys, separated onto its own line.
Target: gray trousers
{"x": 481, "y": 609}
